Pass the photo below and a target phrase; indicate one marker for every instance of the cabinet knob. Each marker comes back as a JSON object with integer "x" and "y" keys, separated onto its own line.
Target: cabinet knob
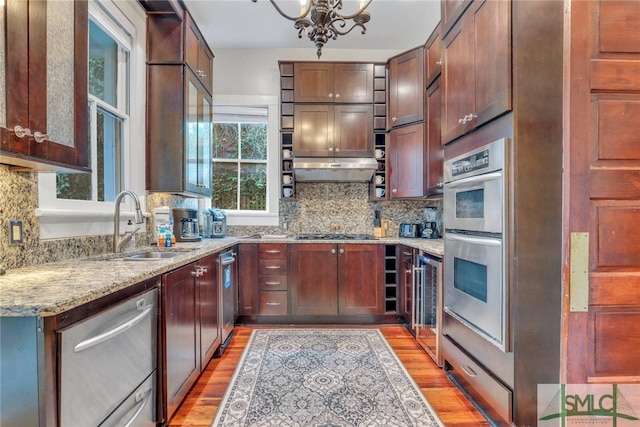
{"x": 341, "y": 250}
{"x": 393, "y": 119}
{"x": 439, "y": 62}
{"x": 40, "y": 137}
{"x": 337, "y": 95}
{"x": 330, "y": 148}
{"x": 440, "y": 184}
{"x": 21, "y": 132}
{"x": 463, "y": 120}
{"x": 333, "y": 251}
{"x": 395, "y": 190}
{"x": 337, "y": 149}
{"x": 330, "y": 95}
{"x": 203, "y": 270}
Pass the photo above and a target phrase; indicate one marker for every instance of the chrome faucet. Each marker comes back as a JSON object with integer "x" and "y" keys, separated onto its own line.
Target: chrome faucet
{"x": 117, "y": 242}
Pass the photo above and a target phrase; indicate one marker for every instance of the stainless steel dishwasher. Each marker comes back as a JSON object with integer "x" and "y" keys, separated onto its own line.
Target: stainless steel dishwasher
{"x": 228, "y": 297}
{"x": 108, "y": 366}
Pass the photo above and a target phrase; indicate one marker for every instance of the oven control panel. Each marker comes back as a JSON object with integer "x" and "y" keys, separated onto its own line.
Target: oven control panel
{"x": 471, "y": 163}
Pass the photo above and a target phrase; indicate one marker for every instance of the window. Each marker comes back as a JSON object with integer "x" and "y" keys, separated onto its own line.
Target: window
{"x": 244, "y": 142}
{"x": 240, "y": 142}
{"x": 82, "y": 204}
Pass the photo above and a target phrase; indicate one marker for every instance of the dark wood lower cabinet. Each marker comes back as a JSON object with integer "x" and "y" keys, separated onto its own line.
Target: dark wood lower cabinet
{"x": 337, "y": 279}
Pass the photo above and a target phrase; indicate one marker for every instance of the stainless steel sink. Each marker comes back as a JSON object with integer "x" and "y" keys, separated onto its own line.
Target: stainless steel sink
{"x": 151, "y": 256}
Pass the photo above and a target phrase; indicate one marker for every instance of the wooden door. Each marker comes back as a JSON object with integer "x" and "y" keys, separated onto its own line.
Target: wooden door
{"x": 313, "y": 130}
{"x": 353, "y": 131}
{"x": 491, "y": 46}
{"x": 208, "y": 304}
{"x": 602, "y": 141}
{"x": 435, "y": 151}
{"x": 457, "y": 81}
{"x": 313, "y": 82}
{"x": 360, "y": 279}
{"x": 432, "y": 56}
{"x": 181, "y": 337}
{"x": 406, "y": 88}
{"x": 314, "y": 278}
{"x": 248, "y": 280}
{"x": 353, "y": 83}
{"x": 405, "y": 280}
{"x": 406, "y": 162}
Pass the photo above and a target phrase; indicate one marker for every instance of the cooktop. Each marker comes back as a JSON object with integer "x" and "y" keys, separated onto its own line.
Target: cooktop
{"x": 333, "y": 236}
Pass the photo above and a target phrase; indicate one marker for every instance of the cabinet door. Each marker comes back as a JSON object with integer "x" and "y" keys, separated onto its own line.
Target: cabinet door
{"x": 313, "y": 130}
{"x": 198, "y": 137}
{"x": 406, "y": 162}
{"x": 405, "y": 280}
{"x": 313, "y": 279}
{"x": 44, "y": 95}
{"x": 196, "y": 53}
{"x": 457, "y": 78}
{"x": 248, "y": 279}
{"x": 353, "y": 83}
{"x": 181, "y": 338}
{"x": 435, "y": 151}
{"x": 361, "y": 279}
{"x": 450, "y": 11}
{"x": 406, "y": 88}
{"x": 432, "y": 56}
{"x": 313, "y": 82}
{"x": 353, "y": 131}
{"x": 208, "y": 303}
{"x": 492, "y": 59}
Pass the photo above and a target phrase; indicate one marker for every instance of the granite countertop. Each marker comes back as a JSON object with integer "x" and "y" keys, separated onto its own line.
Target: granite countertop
{"x": 50, "y": 289}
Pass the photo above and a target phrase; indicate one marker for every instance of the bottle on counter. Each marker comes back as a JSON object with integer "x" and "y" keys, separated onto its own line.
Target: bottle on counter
{"x": 131, "y": 244}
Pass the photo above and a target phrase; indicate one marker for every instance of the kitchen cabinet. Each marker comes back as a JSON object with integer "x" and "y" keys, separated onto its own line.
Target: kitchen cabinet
{"x": 476, "y": 72}
{"x": 407, "y": 160}
{"x": 450, "y": 11}
{"x": 323, "y": 130}
{"x": 197, "y": 54}
{"x": 405, "y": 281}
{"x": 44, "y": 125}
{"x": 248, "y": 279}
{"x": 179, "y": 108}
{"x": 273, "y": 279}
{"x": 190, "y": 332}
{"x": 337, "y": 279}
{"x": 432, "y": 56}
{"x": 327, "y": 82}
{"x": 406, "y": 88}
{"x": 435, "y": 151}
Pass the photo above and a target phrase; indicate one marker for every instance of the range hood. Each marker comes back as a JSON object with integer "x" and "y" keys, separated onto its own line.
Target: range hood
{"x": 332, "y": 169}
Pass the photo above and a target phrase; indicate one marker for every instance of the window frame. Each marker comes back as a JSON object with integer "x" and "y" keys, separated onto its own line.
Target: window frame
{"x": 269, "y": 217}
{"x": 61, "y": 218}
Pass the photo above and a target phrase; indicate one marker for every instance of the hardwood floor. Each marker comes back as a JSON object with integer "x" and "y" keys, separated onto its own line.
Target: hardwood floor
{"x": 453, "y": 408}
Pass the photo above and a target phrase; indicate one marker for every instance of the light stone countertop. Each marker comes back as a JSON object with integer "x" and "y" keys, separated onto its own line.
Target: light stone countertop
{"x": 50, "y": 289}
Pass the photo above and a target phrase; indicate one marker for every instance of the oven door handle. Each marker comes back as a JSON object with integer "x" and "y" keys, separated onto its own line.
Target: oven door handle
{"x": 473, "y": 179}
{"x": 474, "y": 240}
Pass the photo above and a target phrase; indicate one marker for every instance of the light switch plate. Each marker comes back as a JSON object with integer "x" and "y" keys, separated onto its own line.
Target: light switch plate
{"x": 16, "y": 234}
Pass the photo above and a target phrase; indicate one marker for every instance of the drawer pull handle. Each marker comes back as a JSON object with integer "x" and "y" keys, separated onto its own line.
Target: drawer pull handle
{"x": 142, "y": 398}
{"x": 273, "y": 251}
{"x": 272, "y": 303}
{"x": 272, "y": 283}
{"x": 272, "y": 267}
{"x": 467, "y": 370}
{"x": 92, "y": 342}
{"x": 406, "y": 253}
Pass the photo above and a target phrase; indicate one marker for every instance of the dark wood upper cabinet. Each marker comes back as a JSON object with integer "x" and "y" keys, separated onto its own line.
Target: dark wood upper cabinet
{"x": 432, "y": 56}
{"x": 327, "y": 130}
{"x": 49, "y": 102}
{"x": 435, "y": 151}
{"x": 450, "y": 11}
{"x": 477, "y": 68}
{"x": 406, "y": 88}
{"x": 179, "y": 107}
{"x": 333, "y": 82}
{"x": 407, "y": 162}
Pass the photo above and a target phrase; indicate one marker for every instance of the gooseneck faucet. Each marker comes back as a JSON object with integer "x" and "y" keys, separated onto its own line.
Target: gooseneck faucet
{"x": 117, "y": 242}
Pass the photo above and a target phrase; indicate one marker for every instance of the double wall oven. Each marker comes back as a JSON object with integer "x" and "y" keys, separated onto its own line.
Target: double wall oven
{"x": 475, "y": 291}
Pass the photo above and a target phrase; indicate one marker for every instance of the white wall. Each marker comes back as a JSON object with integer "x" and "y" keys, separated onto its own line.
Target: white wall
{"x": 255, "y": 71}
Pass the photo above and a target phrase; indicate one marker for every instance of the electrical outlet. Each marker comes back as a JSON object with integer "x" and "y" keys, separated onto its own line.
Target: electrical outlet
{"x": 16, "y": 235}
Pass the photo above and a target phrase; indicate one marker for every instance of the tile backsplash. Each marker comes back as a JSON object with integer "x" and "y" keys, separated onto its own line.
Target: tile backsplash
{"x": 317, "y": 207}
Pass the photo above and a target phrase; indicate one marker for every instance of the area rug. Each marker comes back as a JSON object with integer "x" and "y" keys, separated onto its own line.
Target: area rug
{"x": 322, "y": 377}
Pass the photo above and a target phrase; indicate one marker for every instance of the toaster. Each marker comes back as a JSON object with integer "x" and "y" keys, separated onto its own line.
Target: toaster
{"x": 409, "y": 230}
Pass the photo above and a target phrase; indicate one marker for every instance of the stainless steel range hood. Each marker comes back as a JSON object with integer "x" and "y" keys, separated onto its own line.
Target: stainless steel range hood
{"x": 311, "y": 169}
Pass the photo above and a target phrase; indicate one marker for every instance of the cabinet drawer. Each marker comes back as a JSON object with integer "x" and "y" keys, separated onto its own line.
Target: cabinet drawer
{"x": 272, "y": 266}
{"x": 273, "y": 303}
{"x": 478, "y": 382}
{"x": 272, "y": 250}
{"x": 273, "y": 282}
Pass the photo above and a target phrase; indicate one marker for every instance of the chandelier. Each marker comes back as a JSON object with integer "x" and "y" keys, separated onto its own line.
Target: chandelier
{"x": 321, "y": 20}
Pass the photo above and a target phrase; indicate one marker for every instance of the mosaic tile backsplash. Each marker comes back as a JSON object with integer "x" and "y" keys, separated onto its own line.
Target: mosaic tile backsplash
{"x": 317, "y": 207}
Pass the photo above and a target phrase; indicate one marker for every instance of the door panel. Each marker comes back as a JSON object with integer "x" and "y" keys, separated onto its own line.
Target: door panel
{"x": 603, "y": 190}
{"x": 361, "y": 279}
{"x": 313, "y": 276}
{"x": 353, "y": 130}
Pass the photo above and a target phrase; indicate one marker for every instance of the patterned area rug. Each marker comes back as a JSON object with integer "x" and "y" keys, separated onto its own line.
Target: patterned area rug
{"x": 322, "y": 377}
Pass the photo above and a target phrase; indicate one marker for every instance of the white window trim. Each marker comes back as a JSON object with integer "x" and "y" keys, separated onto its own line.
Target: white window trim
{"x": 73, "y": 218}
{"x": 270, "y": 217}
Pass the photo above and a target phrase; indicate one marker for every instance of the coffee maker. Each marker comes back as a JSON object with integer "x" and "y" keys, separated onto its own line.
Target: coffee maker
{"x": 185, "y": 225}
{"x": 218, "y": 223}
{"x": 430, "y": 226}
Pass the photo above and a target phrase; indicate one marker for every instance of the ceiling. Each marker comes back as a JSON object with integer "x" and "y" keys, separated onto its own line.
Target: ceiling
{"x": 243, "y": 24}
